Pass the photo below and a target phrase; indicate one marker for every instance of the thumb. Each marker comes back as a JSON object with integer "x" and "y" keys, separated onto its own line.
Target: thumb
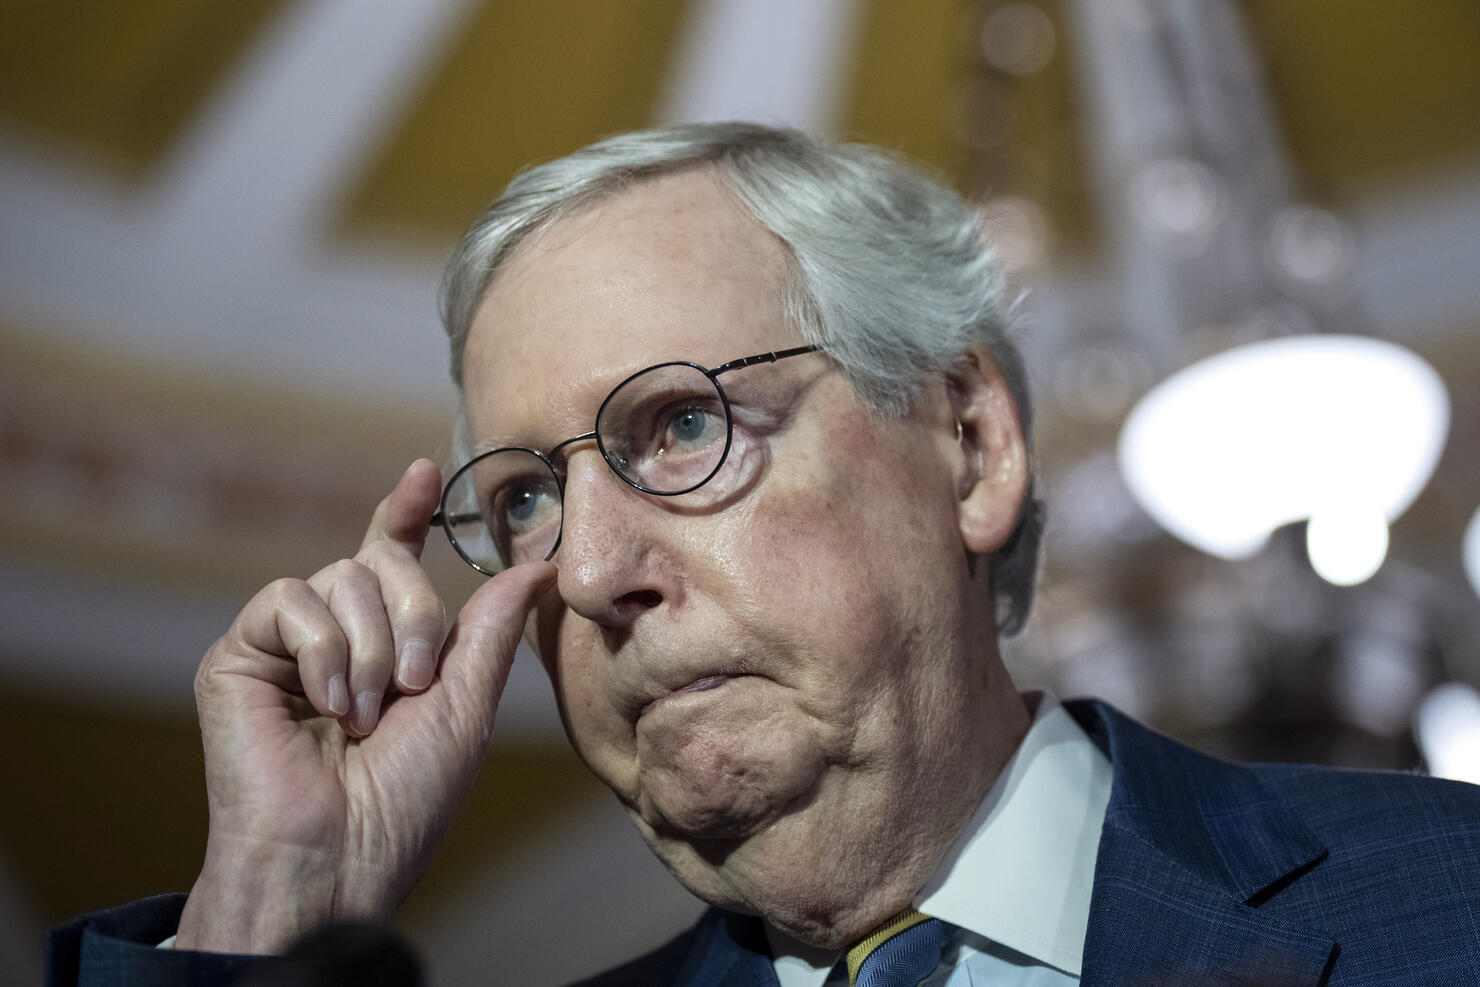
{"x": 480, "y": 647}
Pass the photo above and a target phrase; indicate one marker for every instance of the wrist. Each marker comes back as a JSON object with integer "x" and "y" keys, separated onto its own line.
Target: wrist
{"x": 256, "y": 898}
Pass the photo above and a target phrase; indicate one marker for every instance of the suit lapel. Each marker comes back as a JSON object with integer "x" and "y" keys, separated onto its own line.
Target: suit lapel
{"x": 1192, "y": 848}
{"x": 1153, "y": 922}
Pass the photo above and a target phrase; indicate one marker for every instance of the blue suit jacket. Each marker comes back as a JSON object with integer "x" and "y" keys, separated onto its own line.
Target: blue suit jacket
{"x": 1208, "y": 873}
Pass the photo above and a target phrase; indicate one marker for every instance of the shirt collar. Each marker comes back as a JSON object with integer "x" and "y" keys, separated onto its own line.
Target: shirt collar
{"x": 1022, "y": 870}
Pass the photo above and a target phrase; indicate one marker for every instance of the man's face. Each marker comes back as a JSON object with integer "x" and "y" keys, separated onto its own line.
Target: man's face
{"x": 780, "y": 663}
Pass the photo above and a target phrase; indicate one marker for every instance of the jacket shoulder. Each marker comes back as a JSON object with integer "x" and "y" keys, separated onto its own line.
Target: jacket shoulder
{"x": 1368, "y": 875}
{"x": 1399, "y": 820}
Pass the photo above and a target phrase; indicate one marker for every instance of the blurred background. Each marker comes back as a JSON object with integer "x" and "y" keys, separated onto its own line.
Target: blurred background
{"x": 1247, "y": 234}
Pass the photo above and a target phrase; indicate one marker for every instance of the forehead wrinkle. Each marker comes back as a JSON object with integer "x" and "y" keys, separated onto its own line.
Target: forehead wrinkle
{"x": 541, "y": 419}
{"x": 677, "y": 231}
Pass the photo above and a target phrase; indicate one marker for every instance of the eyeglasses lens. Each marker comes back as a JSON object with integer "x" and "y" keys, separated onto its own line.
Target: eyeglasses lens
{"x": 503, "y": 509}
{"x": 665, "y": 430}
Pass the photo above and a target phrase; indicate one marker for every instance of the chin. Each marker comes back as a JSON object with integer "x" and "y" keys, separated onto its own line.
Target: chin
{"x": 729, "y": 804}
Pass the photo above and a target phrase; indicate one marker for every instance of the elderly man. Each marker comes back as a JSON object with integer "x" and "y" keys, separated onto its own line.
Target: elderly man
{"x": 746, "y": 452}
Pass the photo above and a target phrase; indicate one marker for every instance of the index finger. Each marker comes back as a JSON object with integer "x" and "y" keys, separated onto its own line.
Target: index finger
{"x": 406, "y": 512}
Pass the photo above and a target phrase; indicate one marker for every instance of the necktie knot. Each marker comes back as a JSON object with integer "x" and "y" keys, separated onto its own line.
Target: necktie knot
{"x": 899, "y": 953}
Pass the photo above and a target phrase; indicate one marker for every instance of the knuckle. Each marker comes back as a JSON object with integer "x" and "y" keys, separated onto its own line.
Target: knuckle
{"x": 345, "y": 570}
{"x": 347, "y": 576}
{"x": 383, "y": 551}
{"x": 284, "y": 593}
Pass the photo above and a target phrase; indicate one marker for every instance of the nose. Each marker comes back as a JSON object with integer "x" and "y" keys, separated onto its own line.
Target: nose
{"x": 613, "y": 563}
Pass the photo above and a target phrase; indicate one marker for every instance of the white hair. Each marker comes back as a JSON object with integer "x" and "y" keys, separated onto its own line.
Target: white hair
{"x": 890, "y": 273}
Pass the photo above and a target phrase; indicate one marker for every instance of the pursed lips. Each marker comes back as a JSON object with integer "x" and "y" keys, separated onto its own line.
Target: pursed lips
{"x": 697, "y": 685}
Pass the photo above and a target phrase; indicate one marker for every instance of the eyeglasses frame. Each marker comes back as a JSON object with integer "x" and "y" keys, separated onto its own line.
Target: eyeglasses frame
{"x": 446, "y": 520}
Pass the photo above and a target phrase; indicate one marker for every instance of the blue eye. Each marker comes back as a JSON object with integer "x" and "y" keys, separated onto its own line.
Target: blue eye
{"x": 522, "y": 505}
{"x": 689, "y": 425}
{"x": 526, "y": 504}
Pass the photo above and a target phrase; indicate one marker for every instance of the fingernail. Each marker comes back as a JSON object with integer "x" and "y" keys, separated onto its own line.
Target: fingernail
{"x": 416, "y": 665}
{"x": 367, "y": 707}
{"x": 338, "y": 696}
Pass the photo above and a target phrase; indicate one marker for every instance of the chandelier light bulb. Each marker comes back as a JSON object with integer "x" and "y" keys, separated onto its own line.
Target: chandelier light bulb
{"x": 1342, "y": 430}
{"x": 1346, "y": 543}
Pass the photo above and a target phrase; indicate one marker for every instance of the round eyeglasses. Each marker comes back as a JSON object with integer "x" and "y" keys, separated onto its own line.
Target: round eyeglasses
{"x": 665, "y": 430}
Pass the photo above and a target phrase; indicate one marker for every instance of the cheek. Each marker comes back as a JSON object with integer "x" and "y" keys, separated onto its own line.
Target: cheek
{"x": 853, "y": 505}
{"x": 579, "y": 694}
{"x": 843, "y": 545}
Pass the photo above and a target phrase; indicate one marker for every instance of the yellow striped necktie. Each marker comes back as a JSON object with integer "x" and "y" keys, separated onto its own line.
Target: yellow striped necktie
{"x": 899, "y": 953}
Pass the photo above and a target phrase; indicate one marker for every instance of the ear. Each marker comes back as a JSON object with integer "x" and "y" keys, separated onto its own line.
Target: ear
{"x": 994, "y": 468}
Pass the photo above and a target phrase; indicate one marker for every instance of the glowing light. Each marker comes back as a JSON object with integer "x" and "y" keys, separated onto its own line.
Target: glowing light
{"x": 1018, "y": 38}
{"x": 1346, "y": 543}
{"x": 1179, "y": 200}
{"x": 1472, "y": 551}
{"x": 1343, "y": 430}
{"x": 1448, "y": 729}
{"x": 1311, "y": 245}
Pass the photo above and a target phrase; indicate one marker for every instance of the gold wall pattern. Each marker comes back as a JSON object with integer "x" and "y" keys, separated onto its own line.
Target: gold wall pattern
{"x": 119, "y": 78}
{"x": 525, "y": 82}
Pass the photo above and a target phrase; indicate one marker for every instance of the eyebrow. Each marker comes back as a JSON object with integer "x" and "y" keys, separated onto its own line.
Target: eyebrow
{"x": 507, "y": 440}
{"x": 489, "y": 444}
{"x": 504, "y": 441}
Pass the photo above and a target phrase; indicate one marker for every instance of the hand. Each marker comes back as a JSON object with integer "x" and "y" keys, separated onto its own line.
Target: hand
{"x": 337, "y": 745}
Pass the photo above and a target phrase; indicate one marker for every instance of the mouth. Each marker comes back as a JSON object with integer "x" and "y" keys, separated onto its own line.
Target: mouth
{"x": 698, "y": 685}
